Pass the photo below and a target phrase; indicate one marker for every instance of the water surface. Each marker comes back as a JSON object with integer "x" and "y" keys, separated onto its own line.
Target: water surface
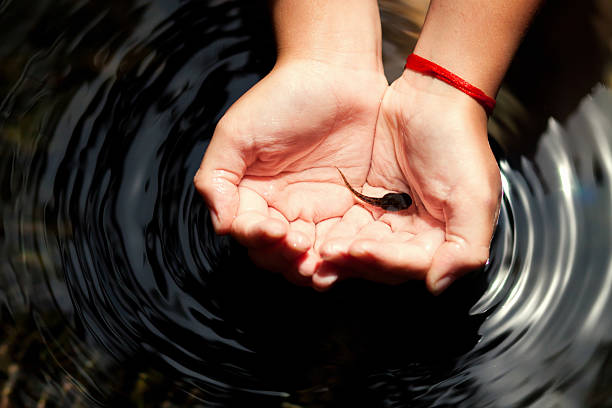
{"x": 115, "y": 291}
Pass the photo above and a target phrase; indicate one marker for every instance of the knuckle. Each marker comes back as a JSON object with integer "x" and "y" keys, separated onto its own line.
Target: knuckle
{"x": 487, "y": 198}
{"x": 201, "y": 184}
{"x": 198, "y": 179}
{"x": 225, "y": 124}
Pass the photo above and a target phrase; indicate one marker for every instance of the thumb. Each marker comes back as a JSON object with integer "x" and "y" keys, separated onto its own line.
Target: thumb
{"x": 469, "y": 228}
{"x": 217, "y": 180}
{"x": 451, "y": 261}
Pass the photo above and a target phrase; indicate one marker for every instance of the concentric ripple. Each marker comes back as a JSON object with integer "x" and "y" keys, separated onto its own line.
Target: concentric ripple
{"x": 547, "y": 339}
{"x": 115, "y": 291}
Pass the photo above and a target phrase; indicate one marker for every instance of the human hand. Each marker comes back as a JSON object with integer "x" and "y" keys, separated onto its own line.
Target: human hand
{"x": 431, "y": 141}
{"x": 269, "y": 176}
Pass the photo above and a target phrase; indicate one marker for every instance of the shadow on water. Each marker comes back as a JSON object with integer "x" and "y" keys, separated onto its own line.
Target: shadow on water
{"x": 115, "y": 291}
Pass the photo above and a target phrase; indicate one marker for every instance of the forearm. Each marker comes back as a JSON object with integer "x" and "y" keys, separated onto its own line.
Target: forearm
{"x": 344, "y": 32}
{"x": 475, "y": 39}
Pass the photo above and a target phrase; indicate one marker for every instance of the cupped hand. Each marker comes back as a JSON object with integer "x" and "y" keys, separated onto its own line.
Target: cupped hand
{"x": 431, "y": 141}
{"x": 269, "y": 174}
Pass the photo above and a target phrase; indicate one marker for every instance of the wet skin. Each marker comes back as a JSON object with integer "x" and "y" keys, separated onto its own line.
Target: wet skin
{"x": 388, "y": 202}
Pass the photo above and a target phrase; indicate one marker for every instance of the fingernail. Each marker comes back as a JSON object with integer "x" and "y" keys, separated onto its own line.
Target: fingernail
{"x": 299, "y": 246}
{"x": 308, "y": 265}
{"x": 442, "y": 284}
{"x": 325, "y": 282}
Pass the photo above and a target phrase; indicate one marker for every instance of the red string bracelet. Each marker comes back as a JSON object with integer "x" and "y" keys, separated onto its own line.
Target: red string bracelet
{"x": 426, "y": 67}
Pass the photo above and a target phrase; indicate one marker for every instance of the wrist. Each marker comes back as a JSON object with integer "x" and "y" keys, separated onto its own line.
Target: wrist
{"x": 415, "y": 85}
{"x": 433, "y": 104}
{"x": 356, "y": 61}
{"x": 324, "y": 31}
{"x": 474, "y": 39}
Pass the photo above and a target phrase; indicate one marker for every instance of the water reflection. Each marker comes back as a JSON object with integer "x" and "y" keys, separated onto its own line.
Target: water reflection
{"x": 115, "y": 291}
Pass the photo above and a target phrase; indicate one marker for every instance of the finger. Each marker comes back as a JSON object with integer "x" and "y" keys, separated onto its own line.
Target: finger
{"x": 256, "y": 225}
{"x": 390, "y": 262}
{"x": 299, "y": 240}
{"x": 269, "y": 259}
{"x": 303, "y": 228}
{"x": 469, "y": 228}
{"x": 293, "y": 257}
{"x": 274, "y": 213}
{"x": 255, "y": 230}
{"x": 353, "y": 221}
{"x": 220, "y": 172}
{"x": 292, "y": 246}
{"x": 295, "y": 244}
{"x": 346, "y": 265}
{"x": 337, "y": 250}
{"x": 326, "y": 276}
{"x": 298, "y": 270}
{"x": 453, "y": 260}
{"x": 395, "y": 259}
{"x": 322, "y": 231}
{"x": 336, "y": 241}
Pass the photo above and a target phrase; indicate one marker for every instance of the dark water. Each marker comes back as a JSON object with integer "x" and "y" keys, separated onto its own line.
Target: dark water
{"x": 114, "y": 290}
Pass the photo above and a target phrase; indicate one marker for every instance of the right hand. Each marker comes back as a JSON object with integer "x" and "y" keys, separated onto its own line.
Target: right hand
{"x": 269, "y": 176}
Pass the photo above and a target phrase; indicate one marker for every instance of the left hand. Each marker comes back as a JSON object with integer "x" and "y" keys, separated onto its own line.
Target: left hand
{"x": 431, "y": 141}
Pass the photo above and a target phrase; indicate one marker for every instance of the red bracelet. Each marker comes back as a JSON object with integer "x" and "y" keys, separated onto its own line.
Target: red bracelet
{"x": 426, "y": 67}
